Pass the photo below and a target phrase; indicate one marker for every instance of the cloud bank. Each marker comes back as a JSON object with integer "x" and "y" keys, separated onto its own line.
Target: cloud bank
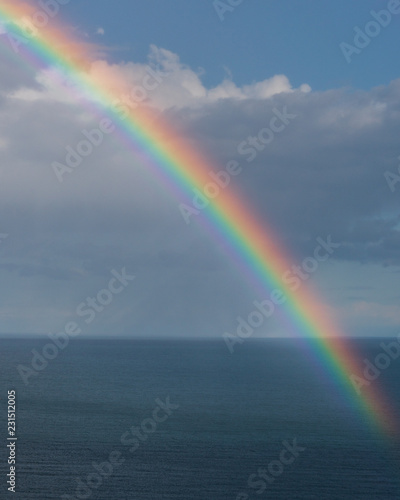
{"x": 323, "y": 173}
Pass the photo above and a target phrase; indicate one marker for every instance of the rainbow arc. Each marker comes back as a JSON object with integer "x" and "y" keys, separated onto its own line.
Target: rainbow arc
{"x": 252, "y": 244}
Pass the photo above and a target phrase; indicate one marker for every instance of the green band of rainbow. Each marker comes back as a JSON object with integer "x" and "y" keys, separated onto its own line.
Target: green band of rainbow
{"x": 252, "y": 244}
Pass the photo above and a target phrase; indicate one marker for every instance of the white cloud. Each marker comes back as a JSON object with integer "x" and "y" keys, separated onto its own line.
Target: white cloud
{"x": 178, "y": 85}
{"x": 181, "y": 86}
{"x": 100, "y": 31}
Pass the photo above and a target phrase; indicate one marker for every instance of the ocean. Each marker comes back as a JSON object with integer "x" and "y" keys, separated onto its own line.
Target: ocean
{"x": 185, "y": 419}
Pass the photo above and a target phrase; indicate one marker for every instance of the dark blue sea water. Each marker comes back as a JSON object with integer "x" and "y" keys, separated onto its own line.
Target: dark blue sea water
{"x": 260, "y": 423}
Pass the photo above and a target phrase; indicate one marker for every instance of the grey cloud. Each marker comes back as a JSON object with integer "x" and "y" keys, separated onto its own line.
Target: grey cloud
{"x": 322, "y": 175}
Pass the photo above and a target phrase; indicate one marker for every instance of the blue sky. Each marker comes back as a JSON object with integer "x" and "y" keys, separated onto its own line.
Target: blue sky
{"x": 258, "y": 39}
{"x": 223, "y": 83}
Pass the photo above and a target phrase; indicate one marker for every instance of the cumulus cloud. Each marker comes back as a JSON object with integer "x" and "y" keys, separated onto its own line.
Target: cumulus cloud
{"x": 173, "y": 84}
{"x": 322, "y": 174}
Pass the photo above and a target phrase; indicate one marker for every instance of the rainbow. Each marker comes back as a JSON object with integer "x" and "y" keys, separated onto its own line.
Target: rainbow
{"x": 252, "y": 244}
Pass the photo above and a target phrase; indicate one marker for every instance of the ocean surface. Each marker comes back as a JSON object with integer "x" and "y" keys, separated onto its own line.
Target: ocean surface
{"x": 149, "y": 419}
